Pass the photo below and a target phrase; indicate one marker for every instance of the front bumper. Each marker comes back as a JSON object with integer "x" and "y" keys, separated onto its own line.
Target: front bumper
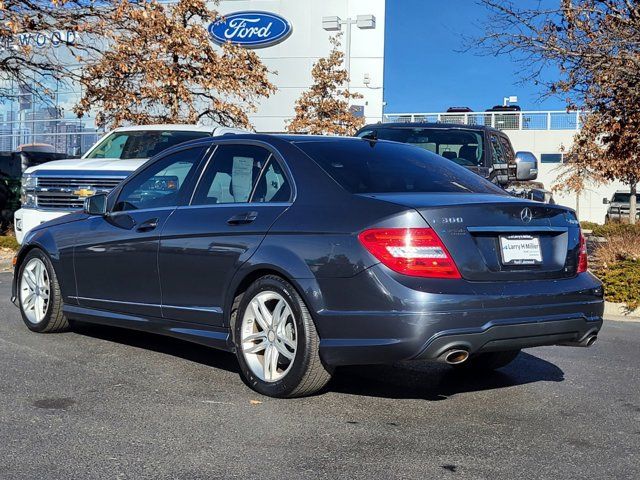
{"x": 26, "y": 219}
{"x": 388, "y": 321}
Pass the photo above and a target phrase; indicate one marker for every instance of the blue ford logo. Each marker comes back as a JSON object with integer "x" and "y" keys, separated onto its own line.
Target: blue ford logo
{"x": 250, "y": 29}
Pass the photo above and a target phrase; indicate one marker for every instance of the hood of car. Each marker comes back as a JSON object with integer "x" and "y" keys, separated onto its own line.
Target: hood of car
{"x": 91, "y": 164}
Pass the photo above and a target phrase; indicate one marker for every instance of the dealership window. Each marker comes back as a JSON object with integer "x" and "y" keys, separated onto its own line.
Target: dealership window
{"x": 552, "y": 158}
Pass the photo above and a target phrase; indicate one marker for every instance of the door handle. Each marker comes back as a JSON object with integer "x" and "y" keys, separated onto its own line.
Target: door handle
{"x": 147, "y": 226}
{"x": 243, "y": 218}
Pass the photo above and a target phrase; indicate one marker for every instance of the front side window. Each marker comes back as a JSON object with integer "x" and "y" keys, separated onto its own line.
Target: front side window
{"x": 160, "y": 184}
{"x": 231, "y": 175}
{"x": 141, "y": 144}
{"x": 507, "y": 149}
{"x": 361, "y": 166}
{"x": 497, "y": 154}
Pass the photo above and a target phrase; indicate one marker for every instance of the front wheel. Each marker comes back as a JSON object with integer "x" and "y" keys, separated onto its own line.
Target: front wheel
{"x": 276, "y": 341}
{"x": 39, "y": 294}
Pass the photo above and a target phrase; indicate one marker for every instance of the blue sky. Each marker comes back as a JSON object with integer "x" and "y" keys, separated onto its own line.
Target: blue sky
{"x": 426, "y": 72}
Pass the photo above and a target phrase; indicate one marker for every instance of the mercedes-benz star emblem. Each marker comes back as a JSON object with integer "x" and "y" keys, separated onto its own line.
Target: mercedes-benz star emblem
{"x": 526, "y": 215}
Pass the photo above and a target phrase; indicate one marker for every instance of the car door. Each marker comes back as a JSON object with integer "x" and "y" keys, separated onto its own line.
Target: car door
{"x": 242, "y": 191}
{"x": 116, "y": 255}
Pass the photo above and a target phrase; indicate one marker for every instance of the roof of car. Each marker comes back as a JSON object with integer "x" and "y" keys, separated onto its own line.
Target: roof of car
{"x": 442, "y": 125}
{"x": 211, "y": 129}
{"x": 300, "y": 138}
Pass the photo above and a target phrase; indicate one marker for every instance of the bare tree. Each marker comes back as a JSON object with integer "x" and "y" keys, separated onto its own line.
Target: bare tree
{"x": 41, "y": 42}
{"x": 595, "y": 47}
{"x": 161, "y": 67}
{"x": 324, "y": 108}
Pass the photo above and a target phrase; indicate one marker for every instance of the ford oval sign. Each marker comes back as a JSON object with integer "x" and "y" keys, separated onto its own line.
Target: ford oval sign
{"x": 250, "y": 29}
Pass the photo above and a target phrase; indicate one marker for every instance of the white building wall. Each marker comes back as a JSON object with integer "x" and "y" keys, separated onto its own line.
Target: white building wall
{"x": 294, "y": 57}
{"x": 555, "y": 141}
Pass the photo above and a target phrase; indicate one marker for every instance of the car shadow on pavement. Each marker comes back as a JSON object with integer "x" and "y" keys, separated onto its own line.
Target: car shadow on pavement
{"x": 161, "y": 344}
{"x": 405, "y": 380}
{"x": 435, "y": 381}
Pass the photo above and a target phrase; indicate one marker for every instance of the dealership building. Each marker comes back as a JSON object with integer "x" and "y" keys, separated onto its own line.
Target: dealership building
{"x": 290, "y": 36}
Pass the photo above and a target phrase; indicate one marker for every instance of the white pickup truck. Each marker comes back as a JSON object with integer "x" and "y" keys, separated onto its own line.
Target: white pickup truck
{"x": 56, "y": 188}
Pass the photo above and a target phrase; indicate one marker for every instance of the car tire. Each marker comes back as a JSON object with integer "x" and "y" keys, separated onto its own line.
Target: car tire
{"x": 39, "y": 296}
{"x": 488, "y": 361}
{"x": 276, "y": 341}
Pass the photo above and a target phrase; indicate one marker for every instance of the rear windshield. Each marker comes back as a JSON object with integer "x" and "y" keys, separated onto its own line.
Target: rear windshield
{"x": 362, "y": 166}
{"x": 464, "y": 147}
{"x": 141, "y": 143}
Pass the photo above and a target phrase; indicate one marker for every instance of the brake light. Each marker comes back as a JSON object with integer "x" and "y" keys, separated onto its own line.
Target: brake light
{"x": 583, "y": 262}
{"x": 418, "y": 252}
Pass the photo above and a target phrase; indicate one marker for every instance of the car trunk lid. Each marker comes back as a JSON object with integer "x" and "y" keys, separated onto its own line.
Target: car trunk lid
{"x": 494, "y": 237}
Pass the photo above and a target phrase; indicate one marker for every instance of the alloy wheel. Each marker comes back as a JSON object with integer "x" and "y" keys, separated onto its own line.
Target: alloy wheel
{"x": 269, "y": 336}
{"x": 35, "y": 290}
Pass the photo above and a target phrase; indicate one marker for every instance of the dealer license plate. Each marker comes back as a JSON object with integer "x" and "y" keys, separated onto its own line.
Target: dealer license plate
{"x": 520, "y": 250}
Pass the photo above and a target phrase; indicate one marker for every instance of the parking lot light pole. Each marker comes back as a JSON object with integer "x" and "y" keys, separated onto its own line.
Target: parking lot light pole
{"x": 334, "y": 24}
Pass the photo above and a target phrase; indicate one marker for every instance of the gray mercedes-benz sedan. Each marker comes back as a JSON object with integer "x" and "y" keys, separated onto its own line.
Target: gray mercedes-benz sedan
{"x": 303, "y": 253}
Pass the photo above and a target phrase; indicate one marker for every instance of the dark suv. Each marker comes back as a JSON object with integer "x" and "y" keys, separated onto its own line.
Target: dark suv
{"x": 483, "y": 150}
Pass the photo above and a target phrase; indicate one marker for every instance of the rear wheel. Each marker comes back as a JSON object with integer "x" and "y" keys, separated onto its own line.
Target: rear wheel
{"x": 276, "y": 341}
{"x": 489, "y": 361}
{"x": 39, "y": 294}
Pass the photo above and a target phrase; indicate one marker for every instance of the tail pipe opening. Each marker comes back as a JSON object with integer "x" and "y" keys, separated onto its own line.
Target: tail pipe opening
{"x": 454, "y": 356}
{"x": 587, "y": 341}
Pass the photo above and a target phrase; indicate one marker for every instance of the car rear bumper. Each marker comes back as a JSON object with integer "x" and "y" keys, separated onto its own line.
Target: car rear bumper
{"x": 478, "y": 317}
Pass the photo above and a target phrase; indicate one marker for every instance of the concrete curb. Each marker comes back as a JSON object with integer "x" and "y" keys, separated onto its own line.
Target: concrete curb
{"x": 619, "y": 312}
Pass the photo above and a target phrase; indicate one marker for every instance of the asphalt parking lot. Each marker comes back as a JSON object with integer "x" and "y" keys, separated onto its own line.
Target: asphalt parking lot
{"x": 106, "y": 403}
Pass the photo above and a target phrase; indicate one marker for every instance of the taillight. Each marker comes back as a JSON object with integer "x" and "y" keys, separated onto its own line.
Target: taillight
{"x": 411, "y": 251}
{"x": 583, "y": 262}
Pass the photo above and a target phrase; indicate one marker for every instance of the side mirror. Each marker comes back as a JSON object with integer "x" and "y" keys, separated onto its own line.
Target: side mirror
{"x": 526, "y": 166}
{"x": 96, "y": 204}
{"x": 605, "y": 201}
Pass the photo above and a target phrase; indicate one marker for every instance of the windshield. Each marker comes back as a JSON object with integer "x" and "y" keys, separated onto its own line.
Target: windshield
{"x": 362, "y": 166}
{"x": 624, "y": 198}
{"x": 464, "y": 147}
{"x": 141, "y": 144}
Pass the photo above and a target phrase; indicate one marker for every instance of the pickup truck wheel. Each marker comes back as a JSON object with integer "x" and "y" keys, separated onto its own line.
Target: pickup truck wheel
{"x": 488, "y": 361}
{"x": 39, "y": 294}
{"x": 276, "y": 341}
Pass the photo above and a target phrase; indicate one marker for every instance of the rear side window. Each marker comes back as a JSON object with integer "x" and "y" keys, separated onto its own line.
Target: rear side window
{"x": 231, "y": 175}
{"x": 272, "y": 186}
{"x": 361, "y": 166}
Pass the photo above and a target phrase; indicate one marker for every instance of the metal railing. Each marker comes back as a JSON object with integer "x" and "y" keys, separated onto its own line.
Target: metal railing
{"x": 524, "y": 120}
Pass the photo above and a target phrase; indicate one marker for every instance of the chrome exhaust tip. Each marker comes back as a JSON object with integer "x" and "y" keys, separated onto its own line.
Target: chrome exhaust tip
{"x": 587, "y": 341}
{"x": 455, "y": 356}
